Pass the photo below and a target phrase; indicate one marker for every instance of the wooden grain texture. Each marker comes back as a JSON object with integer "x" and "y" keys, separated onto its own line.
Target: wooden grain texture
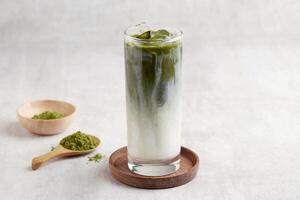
{"x": 189, "y": 162}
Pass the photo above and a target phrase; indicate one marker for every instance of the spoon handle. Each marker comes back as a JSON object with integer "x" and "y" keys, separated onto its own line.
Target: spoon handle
{"x": 39, "y": 160}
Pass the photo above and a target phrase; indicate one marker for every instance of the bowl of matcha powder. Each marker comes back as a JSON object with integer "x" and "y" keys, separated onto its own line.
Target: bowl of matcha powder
{"x": 46, "y": 117}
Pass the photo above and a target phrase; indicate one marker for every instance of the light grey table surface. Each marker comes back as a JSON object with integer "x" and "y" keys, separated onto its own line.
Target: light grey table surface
{"x": 241, "y": 95}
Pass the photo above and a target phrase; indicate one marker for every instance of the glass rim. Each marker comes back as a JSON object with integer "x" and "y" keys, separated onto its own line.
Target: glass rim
{"x": 177, "y": 36}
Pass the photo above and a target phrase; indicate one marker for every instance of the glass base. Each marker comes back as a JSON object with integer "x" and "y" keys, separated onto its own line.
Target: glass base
{"x": 155, "y": 169}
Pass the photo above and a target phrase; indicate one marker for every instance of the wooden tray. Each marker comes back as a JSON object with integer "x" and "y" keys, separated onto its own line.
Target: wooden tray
{"x": 189, "y": 163}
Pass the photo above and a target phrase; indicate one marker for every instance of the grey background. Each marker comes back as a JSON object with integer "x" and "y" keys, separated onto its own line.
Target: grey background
{"x": 241, "y": 92}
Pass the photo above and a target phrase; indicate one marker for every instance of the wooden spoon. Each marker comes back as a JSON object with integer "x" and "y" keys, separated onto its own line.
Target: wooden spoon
{"x": 59, "y": 151}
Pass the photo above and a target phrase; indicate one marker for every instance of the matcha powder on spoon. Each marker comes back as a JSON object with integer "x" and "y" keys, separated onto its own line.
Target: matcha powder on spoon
{"x": 79, "y": 141}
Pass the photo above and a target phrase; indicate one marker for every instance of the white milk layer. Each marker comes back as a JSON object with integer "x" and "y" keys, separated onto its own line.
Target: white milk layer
{"x": 154, "y": 136}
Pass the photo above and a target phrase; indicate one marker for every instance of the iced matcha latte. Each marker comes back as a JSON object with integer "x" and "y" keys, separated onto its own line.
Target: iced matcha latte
{"x": 153, "y": 83}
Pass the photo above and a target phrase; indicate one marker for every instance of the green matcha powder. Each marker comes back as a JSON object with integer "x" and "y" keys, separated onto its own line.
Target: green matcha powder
{"x": 47, "y": 115}
{"x": 79, "y": 141}
{"x": 96, "y": 158}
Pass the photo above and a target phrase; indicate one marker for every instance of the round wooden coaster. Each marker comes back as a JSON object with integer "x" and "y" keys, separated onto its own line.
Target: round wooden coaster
{"x": 189, "y": 163}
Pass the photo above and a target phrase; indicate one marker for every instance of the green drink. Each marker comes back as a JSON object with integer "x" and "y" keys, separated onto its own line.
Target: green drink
{"x": 153, "y": 83}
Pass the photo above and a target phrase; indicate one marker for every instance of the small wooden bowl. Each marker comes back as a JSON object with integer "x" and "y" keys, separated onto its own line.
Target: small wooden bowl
{"x": 46, "y": 127}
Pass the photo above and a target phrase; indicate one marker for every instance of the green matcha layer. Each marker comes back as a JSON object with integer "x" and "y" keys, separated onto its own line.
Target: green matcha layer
{"x": 152, "y": 68}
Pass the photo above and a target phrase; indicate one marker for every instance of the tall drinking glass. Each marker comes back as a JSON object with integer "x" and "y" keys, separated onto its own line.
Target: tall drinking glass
{"x": 153, "y": 97}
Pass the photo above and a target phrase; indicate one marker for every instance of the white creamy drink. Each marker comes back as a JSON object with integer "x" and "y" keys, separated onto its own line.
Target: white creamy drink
{"x": 155, "y": 137}
{"x": 153, "y": 84}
